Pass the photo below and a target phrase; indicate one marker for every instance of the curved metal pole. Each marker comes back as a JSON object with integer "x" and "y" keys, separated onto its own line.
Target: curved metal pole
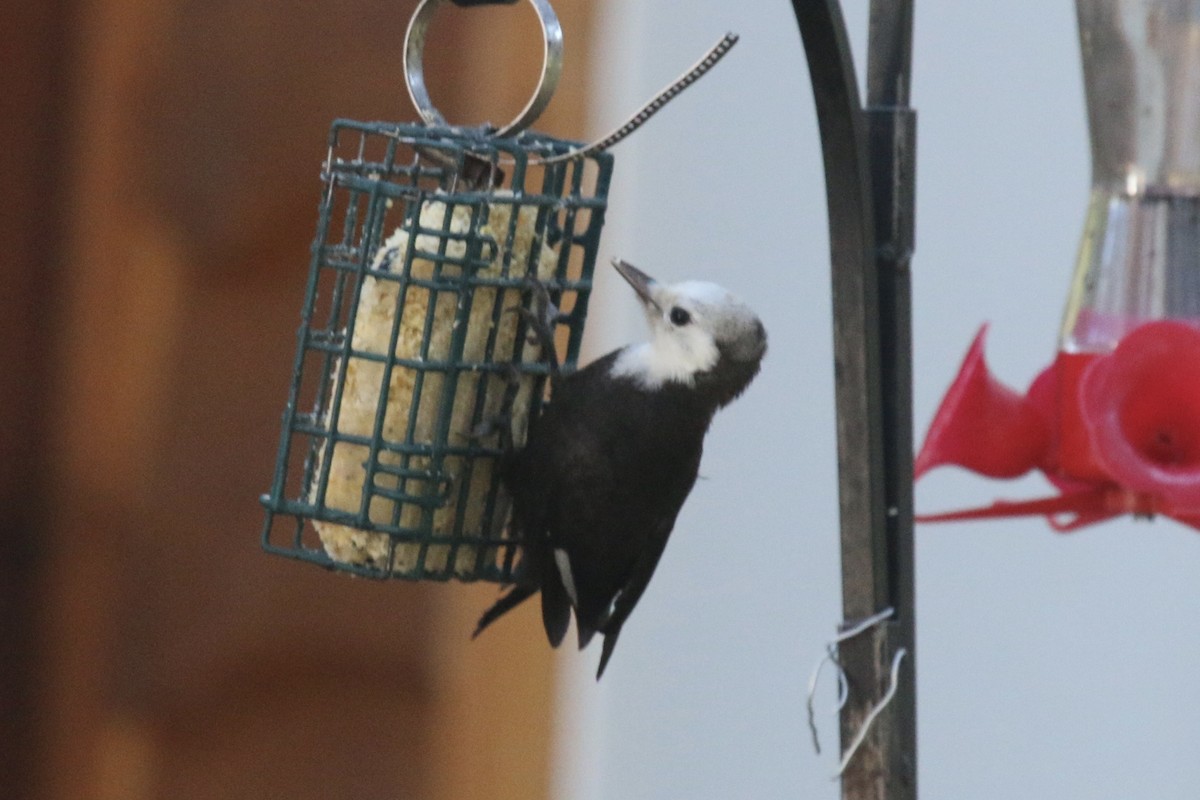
{"x": 868, "y": 156}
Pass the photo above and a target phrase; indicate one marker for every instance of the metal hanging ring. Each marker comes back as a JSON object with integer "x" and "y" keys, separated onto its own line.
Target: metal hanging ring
{"x": 414, "y": 70}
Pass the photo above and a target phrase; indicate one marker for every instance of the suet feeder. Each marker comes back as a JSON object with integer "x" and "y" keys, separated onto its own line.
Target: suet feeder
{"x": 1114, "y": 422}
{"x": 416, "y": 366}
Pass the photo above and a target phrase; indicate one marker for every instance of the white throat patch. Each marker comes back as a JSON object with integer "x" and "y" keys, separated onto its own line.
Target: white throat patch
{"x": 667, "y": 359}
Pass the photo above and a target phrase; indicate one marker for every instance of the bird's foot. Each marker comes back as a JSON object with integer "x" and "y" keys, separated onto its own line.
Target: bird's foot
{"x": 501, "y": 423}
{"x": 540, "y": 316}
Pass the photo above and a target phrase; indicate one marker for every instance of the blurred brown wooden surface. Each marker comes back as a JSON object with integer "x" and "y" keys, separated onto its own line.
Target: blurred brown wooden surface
{"x": 155, "y": 292}
{"x": 34, "y": 55}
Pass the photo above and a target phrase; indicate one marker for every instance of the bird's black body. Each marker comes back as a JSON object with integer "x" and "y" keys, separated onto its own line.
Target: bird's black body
{"x": 599, "y": 483}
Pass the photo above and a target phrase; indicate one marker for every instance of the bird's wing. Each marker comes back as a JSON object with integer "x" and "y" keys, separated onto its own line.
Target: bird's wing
{"x": 545, "y": 476}
{"x": 629, "y": 595}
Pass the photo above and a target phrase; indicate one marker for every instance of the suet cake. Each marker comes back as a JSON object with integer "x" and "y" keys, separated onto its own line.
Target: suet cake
{"x": 414, "y": 398}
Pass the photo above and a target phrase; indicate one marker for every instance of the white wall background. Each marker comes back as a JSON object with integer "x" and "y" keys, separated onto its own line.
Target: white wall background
{"x": 1049, "y": 666}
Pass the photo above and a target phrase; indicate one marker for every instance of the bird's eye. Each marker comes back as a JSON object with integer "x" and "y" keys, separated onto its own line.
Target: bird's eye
{"x": 680, "y": 316}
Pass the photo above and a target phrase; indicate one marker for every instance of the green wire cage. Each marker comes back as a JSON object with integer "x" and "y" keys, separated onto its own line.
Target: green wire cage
{"x": 415, "y": 372}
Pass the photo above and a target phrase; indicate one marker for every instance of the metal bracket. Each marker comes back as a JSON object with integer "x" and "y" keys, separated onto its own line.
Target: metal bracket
{"x": 869, "y": 179}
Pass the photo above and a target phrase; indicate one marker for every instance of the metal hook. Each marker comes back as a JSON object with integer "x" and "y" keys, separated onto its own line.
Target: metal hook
{"x": 414, "y": 70}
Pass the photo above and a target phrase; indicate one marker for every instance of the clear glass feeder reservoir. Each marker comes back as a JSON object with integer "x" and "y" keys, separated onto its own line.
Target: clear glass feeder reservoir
{"x": 1140, "y": 256}
{"x": 1139, "y": 259}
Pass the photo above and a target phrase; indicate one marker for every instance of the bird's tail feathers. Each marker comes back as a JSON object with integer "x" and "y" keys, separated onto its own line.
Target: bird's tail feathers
{"x": 556, "y": 611}
{"x": 508, "y": 602}
{"x": 610, "y": 641}
{"x": 585, "y": 632}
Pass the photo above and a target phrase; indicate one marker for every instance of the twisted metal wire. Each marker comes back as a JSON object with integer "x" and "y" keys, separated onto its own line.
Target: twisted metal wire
{"x": 693, "y": 74}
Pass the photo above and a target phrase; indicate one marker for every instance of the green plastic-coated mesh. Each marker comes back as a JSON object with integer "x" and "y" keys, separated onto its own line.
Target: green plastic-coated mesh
{"x": 414, "y": 372}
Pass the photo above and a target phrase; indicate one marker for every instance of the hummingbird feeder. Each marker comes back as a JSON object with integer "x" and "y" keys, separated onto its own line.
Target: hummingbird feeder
{"x": 1114, "y": 422}
{"x": 436, "y": 249}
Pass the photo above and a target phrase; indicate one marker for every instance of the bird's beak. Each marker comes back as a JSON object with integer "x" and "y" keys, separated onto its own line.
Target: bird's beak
{"x": 640, "y": 281}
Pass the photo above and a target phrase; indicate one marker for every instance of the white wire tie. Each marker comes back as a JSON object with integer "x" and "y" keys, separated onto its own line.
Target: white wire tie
{"x": 861, "y": 736}
{"x": 845, "y": 632}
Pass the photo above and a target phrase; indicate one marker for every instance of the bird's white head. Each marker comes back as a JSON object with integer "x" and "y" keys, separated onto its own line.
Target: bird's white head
{"x": 696, "y": 328}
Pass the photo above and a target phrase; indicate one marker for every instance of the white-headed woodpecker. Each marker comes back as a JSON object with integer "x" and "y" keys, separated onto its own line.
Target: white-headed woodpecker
{"x": 608, "y": 464}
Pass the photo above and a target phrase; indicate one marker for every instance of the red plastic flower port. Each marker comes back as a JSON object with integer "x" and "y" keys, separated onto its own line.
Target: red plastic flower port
{"x": 983, "y": 425}
{"x": 1116, "y": 433}
{"x": 1142, "y": 407}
